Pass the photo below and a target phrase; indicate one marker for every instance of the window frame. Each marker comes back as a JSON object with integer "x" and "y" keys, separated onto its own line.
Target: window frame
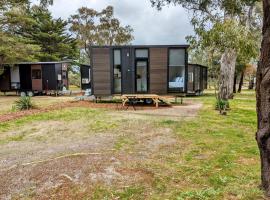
{"x": 177, "y": 90}
{"x": 138, "y": 59}
{"x": 113, "y": 82}
{"x": 40, "y": 74}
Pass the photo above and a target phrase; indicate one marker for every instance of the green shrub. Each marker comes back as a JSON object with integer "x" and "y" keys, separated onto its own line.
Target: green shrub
{"x": 24, "y": 103}
{"x": 222, "y": 104}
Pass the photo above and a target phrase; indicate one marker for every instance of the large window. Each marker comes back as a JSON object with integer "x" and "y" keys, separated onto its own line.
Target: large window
{"x": 117, "y": 72}
{"x": 141, "y": 70}
{"x": 177, "y": 70}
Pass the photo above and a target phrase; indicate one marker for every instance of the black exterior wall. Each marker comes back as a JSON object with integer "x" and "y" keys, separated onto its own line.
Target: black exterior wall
{"x": 25, "y": 77}
{"x": 128, "y": 68}
{"x": 5, "y": 84}
{"x": 49, "y": 81}
{"x": 200, "y": 80}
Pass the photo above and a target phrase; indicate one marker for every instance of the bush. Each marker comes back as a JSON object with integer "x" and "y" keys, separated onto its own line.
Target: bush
{"x": 222, "y": 105}
{"x": 24, "y": 103}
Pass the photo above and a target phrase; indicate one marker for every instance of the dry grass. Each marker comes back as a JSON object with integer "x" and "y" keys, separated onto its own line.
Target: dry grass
{"x": 86, "y": 153}
{"x": 7, "y": 102}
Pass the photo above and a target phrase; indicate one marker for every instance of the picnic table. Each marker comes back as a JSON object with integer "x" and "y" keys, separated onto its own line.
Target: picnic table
{"x": 134, "y": 97}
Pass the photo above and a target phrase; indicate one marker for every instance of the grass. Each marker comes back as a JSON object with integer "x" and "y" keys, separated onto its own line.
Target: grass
{"x": 222, "y": 160}
{"x": 217, "y": 159}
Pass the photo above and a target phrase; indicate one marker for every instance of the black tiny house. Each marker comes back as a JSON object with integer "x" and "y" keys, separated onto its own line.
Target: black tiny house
{"x": 197, "y": 78}
{"x": 36, "y": 77}
{"x": 148, "y": 69}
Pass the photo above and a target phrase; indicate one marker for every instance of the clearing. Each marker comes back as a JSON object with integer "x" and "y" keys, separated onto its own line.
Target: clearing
{"x": 184, "y": 152}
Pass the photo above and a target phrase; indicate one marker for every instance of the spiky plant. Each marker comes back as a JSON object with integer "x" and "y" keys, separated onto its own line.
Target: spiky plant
{"x": 24, "y": 103}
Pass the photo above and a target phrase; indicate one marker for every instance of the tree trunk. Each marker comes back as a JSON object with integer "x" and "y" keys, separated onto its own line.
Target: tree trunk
{"x": 263, "y": 101}
{"x": 227, "y": 71}
{"x": 241, "y": 82}
{"x": 234, "y": 83}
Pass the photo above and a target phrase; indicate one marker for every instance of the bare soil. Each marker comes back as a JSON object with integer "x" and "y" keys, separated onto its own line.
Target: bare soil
{"x": 66, "y": 160}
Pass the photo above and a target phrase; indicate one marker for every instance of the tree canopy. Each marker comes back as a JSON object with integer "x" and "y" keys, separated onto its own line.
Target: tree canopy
{"x": 99, "y": 28}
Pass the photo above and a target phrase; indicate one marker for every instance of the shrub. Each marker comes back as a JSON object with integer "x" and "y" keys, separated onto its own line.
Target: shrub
{"x": 222, "y": 104}
{"x": 24, "y": 103}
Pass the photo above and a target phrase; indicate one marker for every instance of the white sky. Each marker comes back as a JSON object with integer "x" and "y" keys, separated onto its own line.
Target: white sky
{"x": 169, "y": 26}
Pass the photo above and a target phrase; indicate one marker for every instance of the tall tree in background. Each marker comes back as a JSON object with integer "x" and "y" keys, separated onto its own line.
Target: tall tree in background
{"x": 263, "y": 103}
{"x": 221, "y": 26}
{"x": 99, "y": 28}
{"x": 110, "y": 30}
{"x": 13, "y": 17}
{"x": 51, "y": 35}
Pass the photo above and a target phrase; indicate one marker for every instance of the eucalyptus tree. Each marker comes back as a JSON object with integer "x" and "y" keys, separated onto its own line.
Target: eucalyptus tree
{"x": 263, "y": 103}
{"x": 225, "y": 27}
{"x": 99, "y": 28}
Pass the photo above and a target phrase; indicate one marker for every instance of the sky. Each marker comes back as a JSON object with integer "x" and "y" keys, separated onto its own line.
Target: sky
{"x": 169, "y": 26}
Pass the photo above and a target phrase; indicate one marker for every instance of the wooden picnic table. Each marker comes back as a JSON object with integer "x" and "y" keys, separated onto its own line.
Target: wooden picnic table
{"x": 132, "y": 97}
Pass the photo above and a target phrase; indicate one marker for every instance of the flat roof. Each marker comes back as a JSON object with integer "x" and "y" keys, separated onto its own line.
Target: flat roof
{"x": 142, "y": 46}
{"x": 197, "y": 65}
{"x": 39, "y": 63}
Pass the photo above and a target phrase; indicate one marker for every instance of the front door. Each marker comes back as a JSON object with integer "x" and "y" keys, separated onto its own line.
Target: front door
{"x": 141, "y": 76}
{"x": 36, "y": 73}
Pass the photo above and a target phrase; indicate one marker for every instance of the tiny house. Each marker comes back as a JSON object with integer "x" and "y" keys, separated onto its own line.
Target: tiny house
{"x": 35, "y": 77}
{"x": 197, "y": 78}
{"x": 152, "y": 69}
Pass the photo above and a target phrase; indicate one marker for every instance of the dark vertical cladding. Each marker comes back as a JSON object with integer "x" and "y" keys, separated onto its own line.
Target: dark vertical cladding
{"x": 85, "y": 77}
{"x": 199, "y": 78}
{"x": 64, "y": 72}
{"x": 191, "y": 82}
{"x": 167, "y": 67}
{"x": 101, "y": 68}
{"x": 158, "y": 70}
{"x": 58, "y": 75}
{"x": 5, "y": 80}
{"x": 25, "y": 77}
{"x": 49, "y": 80}
{"x": 128, "y": 70}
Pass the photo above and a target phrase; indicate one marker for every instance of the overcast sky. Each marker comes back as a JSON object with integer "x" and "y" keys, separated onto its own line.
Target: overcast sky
{"x": 169, "y": 26}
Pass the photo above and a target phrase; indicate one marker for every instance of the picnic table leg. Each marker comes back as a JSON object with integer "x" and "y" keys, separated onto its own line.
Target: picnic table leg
{"x": 124, "y": 102}
{"x": 156, "y": 101}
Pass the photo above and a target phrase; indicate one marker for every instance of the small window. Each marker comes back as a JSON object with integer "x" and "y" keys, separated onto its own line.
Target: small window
{"x": 190, "y": 77}
{"x": 36, "y": 74}
{"x": 141, "y": 53}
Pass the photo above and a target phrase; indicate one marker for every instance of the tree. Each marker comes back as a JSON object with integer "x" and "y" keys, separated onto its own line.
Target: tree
{"x": 263, "y": 103}
{"x": 219, "y": 24}
{"x": 51, "y": 35}
{"x": 99, "y": 28}
{"x": 14, "y": 48}
{"x": 13, "y": 17}
{"x": 110, "y": 30}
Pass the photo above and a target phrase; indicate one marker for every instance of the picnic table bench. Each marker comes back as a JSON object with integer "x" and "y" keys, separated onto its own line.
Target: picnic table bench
{"x": 133, "y": 97}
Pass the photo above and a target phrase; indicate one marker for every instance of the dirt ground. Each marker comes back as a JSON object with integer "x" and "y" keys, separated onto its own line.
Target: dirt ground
{"x": 6, "y": 102}
{"x": 69, "y": 159}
